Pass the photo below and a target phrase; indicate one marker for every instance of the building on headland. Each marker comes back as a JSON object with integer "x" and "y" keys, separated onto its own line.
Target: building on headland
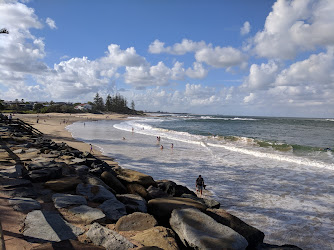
{"x": 84, "y": 107}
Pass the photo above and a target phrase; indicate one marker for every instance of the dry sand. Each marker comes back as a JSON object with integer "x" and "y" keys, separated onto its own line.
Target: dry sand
{"x": 53, "y": 125}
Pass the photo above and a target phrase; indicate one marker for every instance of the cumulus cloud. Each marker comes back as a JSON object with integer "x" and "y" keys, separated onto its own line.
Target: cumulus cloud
{"x": 245, "y": 29}
{"x": 51, "y": 23}
{"x": 198, "y": 71}
{"x": 186, "y": 46}
{"x": 220, "y": 57}
{"x": 295, "y": 26}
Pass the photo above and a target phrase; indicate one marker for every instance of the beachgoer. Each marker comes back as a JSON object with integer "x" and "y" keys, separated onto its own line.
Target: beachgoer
{"x": 84, "y": 124}
{"x": 132, "y": 129}
{"x": 123, "y": 138}
{"x": 10, "y": 118}
{"x": 161, "y": 147}
{"x": 199, "y": 184}
{"x": 172, "y": 145}
{"x": 91, "y": 149}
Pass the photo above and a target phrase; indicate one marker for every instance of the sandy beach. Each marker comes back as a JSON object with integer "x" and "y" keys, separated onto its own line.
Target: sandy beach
{"x": 53, "y": 125}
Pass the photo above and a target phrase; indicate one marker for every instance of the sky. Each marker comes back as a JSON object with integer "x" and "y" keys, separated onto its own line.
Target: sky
{"x": 240, "y": 57}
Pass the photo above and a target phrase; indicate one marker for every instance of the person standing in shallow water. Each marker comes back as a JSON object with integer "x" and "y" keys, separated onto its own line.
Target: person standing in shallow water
{"x": 199, "y": 184}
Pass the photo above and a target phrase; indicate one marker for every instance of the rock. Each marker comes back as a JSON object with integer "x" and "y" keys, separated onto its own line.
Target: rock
{"x": 133, "y": 203}
{"x": 132, "y": 176}
{"x": 172, "y": 189}
{"x": 251, "y": 234}
{"x": 93, "y": 180}
{"x": 161, "y": 208}
{"x": 67, "y": 244}
{"x": 43, "y": 175}
{"x": 8, "y": 183}
{"x": 12, "y": 172}
{"x": 40, "y": 163}
{"x": 63, "y": 184}
{"x": 161, "y": 237}
{"x": 81, "y": 170}
{"x": 113, "y": 182}
{"x": 46, "y": 226}
{"x": 155, "y": 192}
{"x": 111, "y": 240}
{"x": 136, "y": 222}
{"x": 87, "y": 214}
{"x": 265, "y": 246}
{"x": 208, "y": 202}
{"x": 66, "y": 200}
{"x": 94, "y": 193}
{"x": 113, "y": 209}
{"x": 19, "y": 151}
{"x": 24, "y": 204}
{"x": 78, "y": 161}
{"x": 20, "y": 192}
{"x": 138, "y": 189}
{"x": 200, "y": 231}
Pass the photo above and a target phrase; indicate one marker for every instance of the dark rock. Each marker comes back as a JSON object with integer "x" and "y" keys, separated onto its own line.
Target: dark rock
{"x": 136, "y": 222}
{"x": 43, "y": 175}
{"x": 138, "y": 189}
{"x": 94, "y": 193}
{"x": 133, "y": 203}
{"x": 63, "y": 184}
{"x": 111, "y": 240}
{"x": 113, "y": 209}
{"x": 24, "y": 204}
{"x": 9, "y": 183}
{"x": 161, "y": 208}
{"x": 251, "y": 234}
{"x": 199, "y": 231}
{"x": 93, "y": 180}
{"x": 173, "y": 189}
{"x": 113, "y": 182}
{"x": 265, "y": 246}
{"x": 155, "y": 192}
{"x": 20, "y": 192}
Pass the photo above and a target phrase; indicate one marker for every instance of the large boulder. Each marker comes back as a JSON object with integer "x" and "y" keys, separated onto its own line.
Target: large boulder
{"x": 111, "y": 240}
{"x": 138, "y": 189}
{"x": 208, "y": 202}
{"x": 67, "y": 244}
{"x": 132, "y": 176}
{"x": 63, "y": 184}
{"x": 93, "y": 180}
{"x": 94, "y": 193}
{"x": 136, "y": 222}
{"x": 45, "y": 174}
{"x": 133, "y": 203}
{"x": 198, "y": 230}
{"x": 43, "y": 226}
{"x": 251, "y": 234}
{"x": 87, "y": 214}
{"x": 113, "y": 209}
{"x": 173, "y": 189}
{"x": 113, "y": 182}
{"x": 161, "y": 208}
{"x": 155, "y": 192}
{"x": 66, "y": 200}
{"x": 24, "y": 204}
{"x": 160, "y": 237}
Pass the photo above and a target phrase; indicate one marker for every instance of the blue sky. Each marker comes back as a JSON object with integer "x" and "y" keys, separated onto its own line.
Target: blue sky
{"x": 262, "y": 57}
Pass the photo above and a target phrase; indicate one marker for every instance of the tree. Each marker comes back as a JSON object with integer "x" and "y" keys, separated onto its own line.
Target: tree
{"x": 108, "y": 103}
{"x": 98, "y": 102}
{"x": 132, "y": 105}
{"x": 2, "y": 107}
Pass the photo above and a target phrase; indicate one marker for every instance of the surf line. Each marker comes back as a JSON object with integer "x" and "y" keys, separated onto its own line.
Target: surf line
{"x": 275, "y": 157}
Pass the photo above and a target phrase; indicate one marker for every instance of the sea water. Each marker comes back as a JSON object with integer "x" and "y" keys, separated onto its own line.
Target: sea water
{"x": 273, "y": 173}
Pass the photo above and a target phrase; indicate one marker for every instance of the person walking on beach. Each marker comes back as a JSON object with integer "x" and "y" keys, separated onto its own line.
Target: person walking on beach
{"x": 199, "y": 184}
{"x": 91, "y": 149}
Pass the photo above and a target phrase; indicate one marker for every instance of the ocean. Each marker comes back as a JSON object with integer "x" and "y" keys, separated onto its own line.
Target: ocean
{"x": 273, "y": 173}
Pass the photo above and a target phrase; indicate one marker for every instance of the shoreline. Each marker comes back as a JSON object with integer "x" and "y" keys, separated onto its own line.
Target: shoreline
{"x": 53, "y": 126}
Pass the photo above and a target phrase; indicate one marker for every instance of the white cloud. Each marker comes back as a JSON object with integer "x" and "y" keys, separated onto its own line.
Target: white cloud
{"x": 245, "y": 29}
{"x": 128, "y": 57}
{"x": 51, "y": 23}
{"x": 220, "y": 57}
{"x": 186, "y": 46}
{"x": 295, "y": 26}
{"x": 198, "y": 71}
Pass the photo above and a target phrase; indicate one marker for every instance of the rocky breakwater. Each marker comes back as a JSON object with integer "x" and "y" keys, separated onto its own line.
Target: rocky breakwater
{"x": 73, "y": 200}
